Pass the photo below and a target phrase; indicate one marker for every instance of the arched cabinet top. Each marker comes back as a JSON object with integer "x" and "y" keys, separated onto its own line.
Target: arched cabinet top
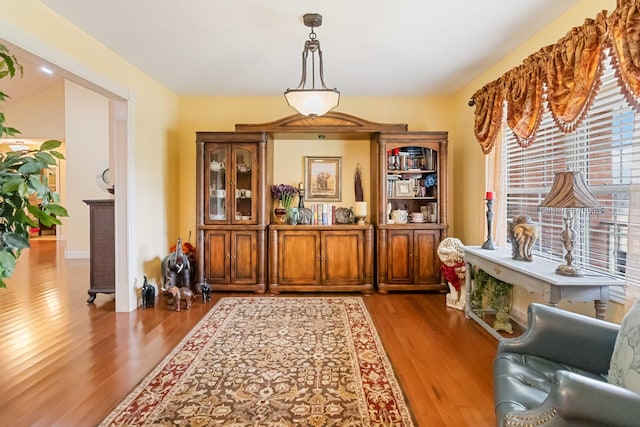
{"x": 332, "y": 122}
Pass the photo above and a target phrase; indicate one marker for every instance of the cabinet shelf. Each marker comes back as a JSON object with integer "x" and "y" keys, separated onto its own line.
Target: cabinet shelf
{"x": 413, "y": 198}
{"x": 410, "y": 171}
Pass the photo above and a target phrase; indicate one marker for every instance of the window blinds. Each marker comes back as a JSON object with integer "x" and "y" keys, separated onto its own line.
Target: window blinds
{"x": 606, "y": 149}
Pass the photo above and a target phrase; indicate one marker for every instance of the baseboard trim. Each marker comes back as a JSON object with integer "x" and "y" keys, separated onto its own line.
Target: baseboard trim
{"x": 76, "y": 254}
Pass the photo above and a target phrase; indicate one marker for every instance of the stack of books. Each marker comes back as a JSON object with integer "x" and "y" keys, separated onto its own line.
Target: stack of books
{"x": 323, "y": 213}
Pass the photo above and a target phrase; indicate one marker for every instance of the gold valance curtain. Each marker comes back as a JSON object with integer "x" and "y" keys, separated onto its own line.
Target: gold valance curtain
{"x": 566, "y": 74}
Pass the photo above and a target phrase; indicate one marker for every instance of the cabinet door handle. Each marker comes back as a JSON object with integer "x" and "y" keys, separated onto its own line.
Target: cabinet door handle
{"x": 227, "y": 256}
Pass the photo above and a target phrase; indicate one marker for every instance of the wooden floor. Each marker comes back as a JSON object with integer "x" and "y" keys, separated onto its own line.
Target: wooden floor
{"x": 68, "y": 363}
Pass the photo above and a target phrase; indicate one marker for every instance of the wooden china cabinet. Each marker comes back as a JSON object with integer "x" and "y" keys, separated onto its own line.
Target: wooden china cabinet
{"x": 411, "y": 177}
{"x": 231, "y": 222}
{"x": 409, "y": 173}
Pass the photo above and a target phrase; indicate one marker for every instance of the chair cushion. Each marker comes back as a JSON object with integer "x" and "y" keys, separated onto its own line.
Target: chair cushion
{"x": 523, "y": 382}
{"x": 624, "y": 370}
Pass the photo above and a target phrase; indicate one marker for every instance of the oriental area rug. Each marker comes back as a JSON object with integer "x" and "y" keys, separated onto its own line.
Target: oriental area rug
{"x": 272, "y": 361}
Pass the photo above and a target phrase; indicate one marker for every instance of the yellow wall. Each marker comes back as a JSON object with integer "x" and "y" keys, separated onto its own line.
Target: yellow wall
{"x": 469, "y": 185}
{"x": 154, "y": 113}
{"x": 289, "y": 162}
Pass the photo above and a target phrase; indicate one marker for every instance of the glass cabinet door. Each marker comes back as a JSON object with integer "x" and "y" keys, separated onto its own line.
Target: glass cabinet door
{"x": 245, "y": 184}
{"x": 218, "y": 167}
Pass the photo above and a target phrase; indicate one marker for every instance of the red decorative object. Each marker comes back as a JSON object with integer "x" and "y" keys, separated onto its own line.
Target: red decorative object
{"x": 490, "y": 195}
{"x": 451, "y": 275}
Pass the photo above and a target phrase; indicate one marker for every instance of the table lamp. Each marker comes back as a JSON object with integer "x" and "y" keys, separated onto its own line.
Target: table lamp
{"x": 569, "y": 195}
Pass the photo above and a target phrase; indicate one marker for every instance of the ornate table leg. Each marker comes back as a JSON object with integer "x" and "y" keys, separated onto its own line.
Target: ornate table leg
{"x": 601, "y": 308}
{"x": 467, "y": 285}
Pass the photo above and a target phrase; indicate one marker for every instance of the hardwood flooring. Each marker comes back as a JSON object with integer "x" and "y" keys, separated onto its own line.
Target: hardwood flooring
{"x": 68, "y": 363}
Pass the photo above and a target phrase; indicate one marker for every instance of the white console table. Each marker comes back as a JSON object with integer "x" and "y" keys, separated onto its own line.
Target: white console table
{"x": 536, "y": 277}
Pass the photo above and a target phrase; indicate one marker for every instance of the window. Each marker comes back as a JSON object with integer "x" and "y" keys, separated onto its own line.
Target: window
{"x": 606, "y": 149}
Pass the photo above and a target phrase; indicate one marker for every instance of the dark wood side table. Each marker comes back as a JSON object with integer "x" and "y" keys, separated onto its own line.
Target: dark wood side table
{"x": 102, "y": 248}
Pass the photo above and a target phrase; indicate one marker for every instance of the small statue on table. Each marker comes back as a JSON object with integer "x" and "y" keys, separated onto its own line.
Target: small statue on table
{"x": 522, "y": 234}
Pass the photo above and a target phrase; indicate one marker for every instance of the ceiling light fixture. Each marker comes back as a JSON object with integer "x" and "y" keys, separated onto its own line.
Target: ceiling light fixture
{"x": 312, "y": 102}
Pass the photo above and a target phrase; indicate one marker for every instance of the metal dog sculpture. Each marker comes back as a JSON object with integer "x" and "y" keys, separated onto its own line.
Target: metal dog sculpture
{"x": 206, "y": 292}
{"x": 176, "y": 269}
{"x": 148, "y": 294}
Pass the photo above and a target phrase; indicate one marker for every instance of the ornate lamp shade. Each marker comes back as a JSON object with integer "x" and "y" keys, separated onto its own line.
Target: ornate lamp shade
{"x": 569, "y": 194}
{"x": 312, "y": 101}
{"x": 570, "y": 191}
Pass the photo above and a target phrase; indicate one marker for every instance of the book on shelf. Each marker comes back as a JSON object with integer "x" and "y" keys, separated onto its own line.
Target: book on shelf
{"x": 323, "y": 213}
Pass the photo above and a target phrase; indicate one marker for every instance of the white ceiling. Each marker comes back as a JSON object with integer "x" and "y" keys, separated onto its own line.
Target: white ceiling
{"x": 253, "y": 47}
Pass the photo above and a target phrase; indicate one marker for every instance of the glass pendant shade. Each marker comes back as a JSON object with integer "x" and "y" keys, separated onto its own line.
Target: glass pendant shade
{"x": 312, "y": 102}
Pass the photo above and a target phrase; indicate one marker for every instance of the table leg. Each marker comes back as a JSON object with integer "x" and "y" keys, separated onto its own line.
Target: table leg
{"x": 467, "y": 291}
{"x": 601, "y": 308}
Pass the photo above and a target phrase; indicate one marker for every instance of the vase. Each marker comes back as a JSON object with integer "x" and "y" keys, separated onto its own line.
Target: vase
{"x": 279, "y": 213}
{"x": 292, "y": 216}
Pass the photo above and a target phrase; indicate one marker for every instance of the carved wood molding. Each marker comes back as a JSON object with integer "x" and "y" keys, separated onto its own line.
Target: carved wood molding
{"x": 332, "y": 122}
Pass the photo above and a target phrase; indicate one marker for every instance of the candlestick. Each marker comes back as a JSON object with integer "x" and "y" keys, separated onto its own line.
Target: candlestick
{"x": 301, "y": 196}
{"x": 488, "y": 244}
{"x": 360, "y": 212}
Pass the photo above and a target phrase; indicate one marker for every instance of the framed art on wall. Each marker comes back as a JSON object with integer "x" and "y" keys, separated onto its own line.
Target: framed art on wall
{"x": 323, "y": 179}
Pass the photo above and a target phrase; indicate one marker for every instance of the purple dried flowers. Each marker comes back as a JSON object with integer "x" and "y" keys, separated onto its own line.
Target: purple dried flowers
{"x": 285, "y": 193}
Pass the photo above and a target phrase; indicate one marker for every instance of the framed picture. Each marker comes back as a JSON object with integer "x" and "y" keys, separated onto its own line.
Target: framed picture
{"x": 323, "y": 179}
{"x": 404, "y": 189}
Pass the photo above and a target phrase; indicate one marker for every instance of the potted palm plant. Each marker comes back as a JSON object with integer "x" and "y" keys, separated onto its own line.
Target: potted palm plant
{"x": 21, "y": 177}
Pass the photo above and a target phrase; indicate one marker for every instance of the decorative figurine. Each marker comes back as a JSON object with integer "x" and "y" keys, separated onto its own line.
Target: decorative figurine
{"x": 176, "y": 268}
{"x": 206, "y": 292}
{"x": 178, "y": 295}
{"x": 522, "y": 234}
{"x": 305, "y": 216}
{"x": 148, "y": 294}
{"x": 344, "y": 216}
{"x": 451, "y": 253}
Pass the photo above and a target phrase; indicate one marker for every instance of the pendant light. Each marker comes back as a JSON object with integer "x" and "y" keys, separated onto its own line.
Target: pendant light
{"x": 312, "y": 101}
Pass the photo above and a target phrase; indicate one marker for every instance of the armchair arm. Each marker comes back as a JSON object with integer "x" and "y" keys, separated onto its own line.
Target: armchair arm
{"x": 575, "y": 399}
{"x": 565, "y": 337}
